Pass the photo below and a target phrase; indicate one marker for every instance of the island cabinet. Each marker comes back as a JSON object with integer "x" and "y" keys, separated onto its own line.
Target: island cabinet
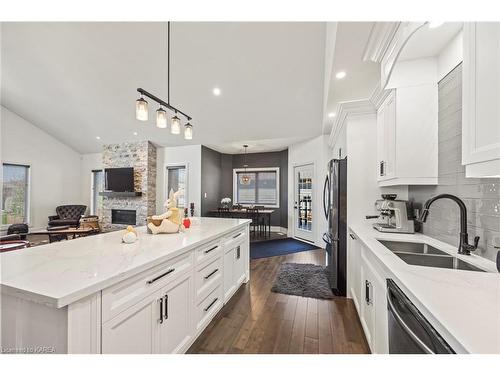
{"x": 480, "y": 93}
{"x": 161, "y": 309}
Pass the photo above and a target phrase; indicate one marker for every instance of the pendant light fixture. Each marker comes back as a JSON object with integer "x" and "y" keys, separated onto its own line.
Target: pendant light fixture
{"x": 245, "y": 178}
{"x": 141, "y": 109}
{"x": 188, "y": 131}
{"x": 176, "y": 125}
{"x": 161, "y": 118}
{"x": 141, "y": 105}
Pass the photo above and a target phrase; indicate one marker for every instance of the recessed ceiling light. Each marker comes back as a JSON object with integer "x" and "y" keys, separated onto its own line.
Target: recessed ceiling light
{"x": 435, "y": 24}
{"x": 135, "y": 133}
{"x": 216, "y": 91}
{"x": 332, "y": 114}
{"x": 340, "y": 75}
{"x": 97, "y": 137}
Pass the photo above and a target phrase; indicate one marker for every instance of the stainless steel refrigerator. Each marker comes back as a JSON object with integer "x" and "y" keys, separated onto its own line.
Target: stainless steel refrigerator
{"x": 335, "y": 209}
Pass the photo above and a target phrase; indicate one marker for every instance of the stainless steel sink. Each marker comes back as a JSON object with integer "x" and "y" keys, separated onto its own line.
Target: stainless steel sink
{"x": 411, "y": 247}
{"x": 419, "y": 254}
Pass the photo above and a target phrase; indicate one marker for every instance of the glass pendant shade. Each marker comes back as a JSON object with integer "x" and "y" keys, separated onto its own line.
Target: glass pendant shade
{"x": 188, "y": 131}
{"x": 141, "y": 109}
{"x": 176, "y": 125}
{"x": 161, "y": 118}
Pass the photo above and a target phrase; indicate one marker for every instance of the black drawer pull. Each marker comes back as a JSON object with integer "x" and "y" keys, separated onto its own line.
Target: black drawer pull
{"x": 352, "y": 235}
{"x": 236, "y": 236}
{"x": 211, "y": 304}
{"x": 368, "y": 286}
{"x": 162, "y": 275}
{"x": 161, "y": 311}
{"x": 211, "y": 274}
{"x": 211, "y": 249}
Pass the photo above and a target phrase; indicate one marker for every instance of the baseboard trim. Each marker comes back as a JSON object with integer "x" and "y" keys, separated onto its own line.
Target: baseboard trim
{"x": 279, "y": 229}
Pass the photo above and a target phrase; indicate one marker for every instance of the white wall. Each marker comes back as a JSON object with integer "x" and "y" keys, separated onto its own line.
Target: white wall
{"x": 88, "y": 163}
{"x": 450, "y": 56}
{"x": 179, "y": 155}
{"x": 314, "y": 151}
{"x": 55, "y": 168}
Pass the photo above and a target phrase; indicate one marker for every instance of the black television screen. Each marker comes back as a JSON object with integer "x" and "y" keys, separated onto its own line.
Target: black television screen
{"x": 119, "y": 179}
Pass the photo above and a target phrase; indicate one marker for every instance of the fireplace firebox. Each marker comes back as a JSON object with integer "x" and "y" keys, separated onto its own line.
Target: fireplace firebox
{"x": 127, "y": 217}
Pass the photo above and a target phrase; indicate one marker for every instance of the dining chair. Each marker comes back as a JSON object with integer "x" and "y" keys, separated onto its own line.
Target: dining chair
{"x": 257, "y": 220}
{"x": 223, "y": 212}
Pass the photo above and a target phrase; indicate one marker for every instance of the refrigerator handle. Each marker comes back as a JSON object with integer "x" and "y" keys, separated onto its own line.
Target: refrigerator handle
{"x": 325, "y": 191}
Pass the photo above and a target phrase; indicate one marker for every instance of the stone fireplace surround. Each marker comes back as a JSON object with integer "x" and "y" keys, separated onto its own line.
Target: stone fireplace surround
{"x": 142, "y": 157}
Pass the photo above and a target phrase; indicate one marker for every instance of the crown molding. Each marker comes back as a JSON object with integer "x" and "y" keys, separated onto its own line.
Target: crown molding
{"x": 378, "y": 96}
{"x": 346, "y": 110}
{"x": 380, "y": 38}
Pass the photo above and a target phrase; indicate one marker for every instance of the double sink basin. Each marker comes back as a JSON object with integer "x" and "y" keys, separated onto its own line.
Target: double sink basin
{"x": 422, "y": 254}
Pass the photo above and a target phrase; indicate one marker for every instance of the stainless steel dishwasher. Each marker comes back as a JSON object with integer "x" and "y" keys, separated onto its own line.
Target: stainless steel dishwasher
{"x": 409, "y": 331}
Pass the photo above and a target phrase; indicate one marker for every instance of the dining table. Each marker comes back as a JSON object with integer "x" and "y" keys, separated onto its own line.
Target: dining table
{"x": 243, "y": 213}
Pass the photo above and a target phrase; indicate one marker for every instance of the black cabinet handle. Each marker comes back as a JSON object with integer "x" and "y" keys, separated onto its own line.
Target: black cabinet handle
{"x": 211, "y": 274}
{"x": 239, "y": 234}
{"x": 382, "y": 168}
{"x": 162, "y": 275}
{"x": 161, "y": 311}
{"x": 211, "y": 249}
{"x": 166, "y": 306}
{"x": 211, "y": 304}
{"x": 367, "y": 292}
{"x": 238, "y": 252}
{"x": 352, "y": 236}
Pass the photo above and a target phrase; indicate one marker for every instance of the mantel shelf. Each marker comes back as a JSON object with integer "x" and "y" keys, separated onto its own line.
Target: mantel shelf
{"x": 113, "y": 194}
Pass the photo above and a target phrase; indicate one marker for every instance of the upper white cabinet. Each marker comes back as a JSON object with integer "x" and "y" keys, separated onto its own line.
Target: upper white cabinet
{"x": 407, "y": 121}
{"x": 407, "y": 136}
{"x": 481, "y": 99}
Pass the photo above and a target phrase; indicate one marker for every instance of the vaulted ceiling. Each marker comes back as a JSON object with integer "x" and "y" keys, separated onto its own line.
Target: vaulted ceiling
{"x": 78, "y": 80}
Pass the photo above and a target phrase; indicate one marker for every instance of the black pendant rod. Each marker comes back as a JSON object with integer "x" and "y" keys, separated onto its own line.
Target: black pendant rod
{"x": 162, "y": 102}
{"x": 168, "y": 62}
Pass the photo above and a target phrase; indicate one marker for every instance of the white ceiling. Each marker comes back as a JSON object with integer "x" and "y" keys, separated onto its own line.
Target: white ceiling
{"x": 362, "y": 76}
{"x": 78, "y": 80}
{"x": 429, "y": 42}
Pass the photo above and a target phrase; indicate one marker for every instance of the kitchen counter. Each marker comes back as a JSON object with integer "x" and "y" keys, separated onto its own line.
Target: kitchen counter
{"x": 61, "y": 273}
{"x": 463, "y": 306}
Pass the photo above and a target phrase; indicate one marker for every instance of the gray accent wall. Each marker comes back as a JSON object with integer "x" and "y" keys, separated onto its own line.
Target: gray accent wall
{"x": 211, "y": 176}
{"x": 481, "y": 195}
{"x": 217, "y": 178}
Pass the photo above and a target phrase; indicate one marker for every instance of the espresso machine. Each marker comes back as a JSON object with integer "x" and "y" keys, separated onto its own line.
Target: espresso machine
{"x": 394, "y": 215}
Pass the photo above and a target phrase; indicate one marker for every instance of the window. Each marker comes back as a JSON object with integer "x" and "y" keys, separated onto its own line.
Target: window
{"x": 177, "y": 180}
{"x": 97, "y": 187}
{"x": 261, "y": 189}
{"x": 15, "y": 194}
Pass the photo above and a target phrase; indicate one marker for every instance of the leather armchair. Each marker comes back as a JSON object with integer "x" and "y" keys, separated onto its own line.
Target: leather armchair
{"x": 67, "y": 215}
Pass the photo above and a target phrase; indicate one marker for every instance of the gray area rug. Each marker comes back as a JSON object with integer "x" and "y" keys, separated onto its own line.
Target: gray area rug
{"x": 306, "y": 280}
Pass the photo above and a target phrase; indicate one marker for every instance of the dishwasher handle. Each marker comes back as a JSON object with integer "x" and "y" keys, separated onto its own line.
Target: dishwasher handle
{"x": 405, "y": 327}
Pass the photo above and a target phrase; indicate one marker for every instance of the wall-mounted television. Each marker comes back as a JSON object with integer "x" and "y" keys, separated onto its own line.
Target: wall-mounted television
{"x": 119, "y": 179}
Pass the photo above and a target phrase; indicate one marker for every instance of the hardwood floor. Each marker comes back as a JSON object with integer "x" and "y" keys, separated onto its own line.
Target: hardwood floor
{"x": 258, "y": 321}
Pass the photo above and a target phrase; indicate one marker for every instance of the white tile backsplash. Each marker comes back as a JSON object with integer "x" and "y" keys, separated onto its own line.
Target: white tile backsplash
{"x": 481, "y": 195}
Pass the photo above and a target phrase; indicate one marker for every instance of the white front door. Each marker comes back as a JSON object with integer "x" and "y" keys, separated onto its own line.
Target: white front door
{"x": 304, "y": 202}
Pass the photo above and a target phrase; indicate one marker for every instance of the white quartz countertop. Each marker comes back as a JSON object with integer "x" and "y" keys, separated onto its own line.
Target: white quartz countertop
{"x": 463, "y": 306}
{"x": 60, "y": 273}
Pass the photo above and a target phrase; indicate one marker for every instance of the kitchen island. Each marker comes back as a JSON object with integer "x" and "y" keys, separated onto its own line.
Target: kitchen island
{"x": 99, "y": 295}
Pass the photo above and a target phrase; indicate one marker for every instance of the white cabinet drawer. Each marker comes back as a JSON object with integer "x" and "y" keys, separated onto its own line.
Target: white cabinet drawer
{"x": 208, "y": 307}
{"x": 234, "y": 237}
{"x": 210, "y": 250}
{"x": 207, "y": 276}
{"x": 121, "y": 296}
